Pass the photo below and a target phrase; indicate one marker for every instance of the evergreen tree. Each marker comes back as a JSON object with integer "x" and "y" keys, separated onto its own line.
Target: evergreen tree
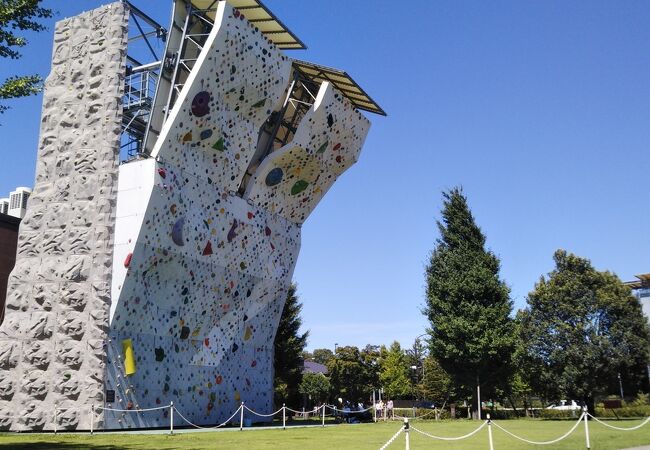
{"x": 468, "y": 305}
{"x": 289, "y": 345}
{"x": 394, "y": 375}
{"x": 19, "y": 15}
{"x": 581, "y": 329}
{"x": 315, "y": 387}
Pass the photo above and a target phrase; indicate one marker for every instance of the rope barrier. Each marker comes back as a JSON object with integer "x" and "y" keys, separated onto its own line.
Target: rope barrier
{"x": 541, "y": 442}
{"x": 391, "y": 440}
{"x": 213, "y": 427}
{"x": 348, "y": 411}
{"x": 416, "y": 417}
{"x": 263, "y": 415}
{"x": 133, "y": 410}
{"x": 647, "y": 419}
{"x": 451, "y": 438}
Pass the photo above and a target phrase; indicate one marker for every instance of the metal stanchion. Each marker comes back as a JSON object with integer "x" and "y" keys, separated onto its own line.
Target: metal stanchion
{"x": 171, "y": 417}
{"x": 241, "y": 417}
{"x": 584, "y": 412}
{"x": 92, "y": 418}
{"x": 323, "y": 424}
{"x": 406, "y": 433}
{"x": 55, "y": 420}
{"x": 284, "y": 417}
{"x": 489, "y": 422}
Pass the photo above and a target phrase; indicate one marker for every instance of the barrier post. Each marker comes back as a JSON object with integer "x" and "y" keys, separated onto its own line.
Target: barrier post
{"x": 304, "y": 417}
{"x": 323, "y": 423}
{"x": 406, "y": 433}
{"x": 171, "y": 417}
{"x": 489, "y": 422}
{"x": 584, "y": 412}
{"x": 55, "y": 419}
{"x": 92, "y": 418}
{"x": 284, "y": 416}
{"x": 374, "y": 406}
{"x": 241, "y": 417}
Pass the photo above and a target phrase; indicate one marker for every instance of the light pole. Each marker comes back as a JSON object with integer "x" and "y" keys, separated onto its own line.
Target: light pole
{"x": 336, "y": 346}
{"x": 620, "y": 384}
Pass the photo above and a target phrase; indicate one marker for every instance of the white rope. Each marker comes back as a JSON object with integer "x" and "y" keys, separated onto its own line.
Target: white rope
{"x": 132, "y": 410}
{"x": 542, "y": 442}
{"x": 262, "y": 415}
{"x": 415, "y": 418}
{"x": 391, "y": 440}
{"x": 310, "y": 411}
{"x": 209, "y": 428}
{"x": 451, "y": 438}
{"x": 647, "y": 419}
{"x": 350, "y": 411}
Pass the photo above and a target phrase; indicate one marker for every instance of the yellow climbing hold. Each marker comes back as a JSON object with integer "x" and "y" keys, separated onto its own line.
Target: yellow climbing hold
{"x": 248, "y": 333}
{"x": 129, "y": 357}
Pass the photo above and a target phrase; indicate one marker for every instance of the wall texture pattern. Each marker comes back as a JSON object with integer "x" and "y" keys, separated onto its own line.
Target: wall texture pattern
{"x": 52, "y": 352}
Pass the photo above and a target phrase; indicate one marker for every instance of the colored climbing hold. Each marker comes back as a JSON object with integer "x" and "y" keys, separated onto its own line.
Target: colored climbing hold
{"x": 323, "y": 147}
{"x": 274, "y": 177}
{"x": 187, "y": 137}
{"x": 206, "y": 342}
{"x": 237, "y": 396}
{"x": 338, "y": 158}
{"x": 267, "y": 231}
{"x": 172, "y": 209}
{"x": 201, "y": 104}
{"x": 235, "y": 347}
{"x": 248, "y": 333}
{"x": 127, "y": 261}
{"x": 219, "y": 379}
{"x": 242, "y": 265}
{"x": 250, "y": 215}
{"x": 185, "y": 332}
{"x": 330, "y": 120}
{"x": 298, "y": 187}
{"x": 208, "y": 249}
{"x": 254, "y": 363}
{"x": 219, "y": 145}
{"x": 177, "y": 232}
{"x": 259, "y": 104}
{"x": 205, "y": 134}
{"x": 162, "y": 173}
{"x": 232, "y": 234}
{"x": 160, "y": 354}
{"x": 337, "y": 146}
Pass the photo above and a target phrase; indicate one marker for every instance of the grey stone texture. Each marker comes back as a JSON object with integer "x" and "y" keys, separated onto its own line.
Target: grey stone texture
{"x": 52, "y": 343}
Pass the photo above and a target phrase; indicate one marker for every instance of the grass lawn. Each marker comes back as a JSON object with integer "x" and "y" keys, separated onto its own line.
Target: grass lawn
{"x": 362, "y": 436}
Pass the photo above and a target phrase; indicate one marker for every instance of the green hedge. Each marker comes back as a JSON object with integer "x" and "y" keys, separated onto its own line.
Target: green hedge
{"x": 626, "y": 411}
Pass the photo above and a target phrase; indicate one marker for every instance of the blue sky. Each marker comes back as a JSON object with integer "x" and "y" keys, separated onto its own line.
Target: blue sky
{"x": 540, "y": 110}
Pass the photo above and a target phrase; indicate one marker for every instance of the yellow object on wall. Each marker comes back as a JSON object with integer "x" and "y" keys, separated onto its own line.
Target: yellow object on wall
{"x": 129, "y": 357}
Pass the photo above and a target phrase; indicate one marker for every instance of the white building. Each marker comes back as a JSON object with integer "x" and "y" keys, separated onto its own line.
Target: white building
{"x": 18, "y": 202}
{"x": 4, "y": 206}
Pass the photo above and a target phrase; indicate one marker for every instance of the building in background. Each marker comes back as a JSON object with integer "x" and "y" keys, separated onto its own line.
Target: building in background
{"x": 17, "y": 202}
{"x": 641, "y": 290}
{"x": 8, "y": 243}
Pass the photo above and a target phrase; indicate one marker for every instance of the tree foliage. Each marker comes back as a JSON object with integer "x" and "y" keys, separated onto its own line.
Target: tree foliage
{"x": 468, "y": 305}
{"x": 19, "y": 15}
{"x": 435, "y": 384}
{"x": 289, "y": 345}
{"x": 580, "y": 329}
{"x": 353, "y": 372}
{"x": 315, "y": 386}
{"x": 394, "y": 375}
{"x": 322, "y": 355}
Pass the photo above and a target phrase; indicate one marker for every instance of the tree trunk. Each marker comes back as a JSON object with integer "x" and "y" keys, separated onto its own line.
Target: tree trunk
{"x": 590, "y": 402}
{"x": 514, "y": 407}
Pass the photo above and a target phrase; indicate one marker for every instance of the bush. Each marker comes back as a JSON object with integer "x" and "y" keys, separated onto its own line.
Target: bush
{"x": 558, "y": 414}
{"x": 626, "y": 411}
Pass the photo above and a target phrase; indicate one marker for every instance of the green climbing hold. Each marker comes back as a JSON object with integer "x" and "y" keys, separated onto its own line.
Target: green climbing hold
{"x": 219, "y": 145}
{"x": 259, "y": 104}
{"x": 323, "y": 147}
{"x": 160, "y": 354}
{"x": 298, "y": 187}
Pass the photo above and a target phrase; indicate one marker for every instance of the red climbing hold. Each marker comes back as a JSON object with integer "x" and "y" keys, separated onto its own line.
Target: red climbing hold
{"x": 337, "y": 146}
{"x": 208, "y": 249}
{"x": 250, "y": 215}
{"x": 127, "y": 261}
{"x": 206, "y": 342}
{"x": 161, "y": 172}
{"x": 267, "y": 231}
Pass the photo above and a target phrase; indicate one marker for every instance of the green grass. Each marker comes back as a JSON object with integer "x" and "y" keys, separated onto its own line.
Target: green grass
{"x": 363, "y": 436}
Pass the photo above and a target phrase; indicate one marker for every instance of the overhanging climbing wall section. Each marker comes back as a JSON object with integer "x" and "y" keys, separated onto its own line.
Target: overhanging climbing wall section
{"x": 200, "y": 273}
{"x": 293, "y": 179}
{"x": 52, "y": 341}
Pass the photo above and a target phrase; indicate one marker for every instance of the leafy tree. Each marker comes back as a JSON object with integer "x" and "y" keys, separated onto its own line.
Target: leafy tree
{"x": 394, "y": 376}
{"x": 315, "y": 386}
{"x": 19, "y": 15}
{"x": 289, "y": 345}
{"x": 581, "y": 328}
{"x": 468, "y": 305}
{"x": 435, "y": 384}
{"x": 322, "y": 355}
{"x": 349, "y": 374}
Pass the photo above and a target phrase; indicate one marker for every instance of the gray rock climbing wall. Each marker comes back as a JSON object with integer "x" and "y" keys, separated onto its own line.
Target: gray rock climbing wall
{"x": 52, "y": 354}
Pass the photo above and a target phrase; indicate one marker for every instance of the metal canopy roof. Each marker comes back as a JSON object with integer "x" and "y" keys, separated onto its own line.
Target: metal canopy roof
{"x": 260, "y": 16}
{"x": 343, "y": 82}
